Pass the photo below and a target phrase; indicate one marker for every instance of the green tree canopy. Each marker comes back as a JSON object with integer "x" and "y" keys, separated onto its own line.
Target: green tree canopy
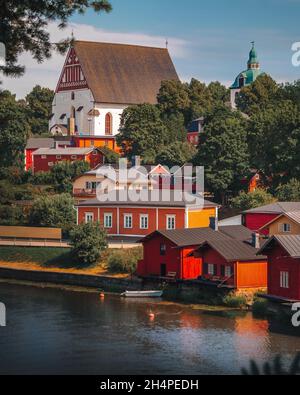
{"x": 88, "y": 242}
{"x": 247, "y": 201}
{"x": 289, "y": 192}
{"x": 176, "y": 154}
{"x": 64, "y": 173}
{"x": 23, "y": 27}
{"x": 173, "y": 98}
{"x": 39, "y": 109}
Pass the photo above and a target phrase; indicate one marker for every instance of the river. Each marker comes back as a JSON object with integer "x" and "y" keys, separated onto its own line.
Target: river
{"x": 57, "y": 331}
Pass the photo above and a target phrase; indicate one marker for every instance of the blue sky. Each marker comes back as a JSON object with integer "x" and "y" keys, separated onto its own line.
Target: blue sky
{"x": 208, "y": 39}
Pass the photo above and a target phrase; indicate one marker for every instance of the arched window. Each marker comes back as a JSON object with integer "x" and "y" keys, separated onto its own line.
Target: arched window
{"x": 108, "y": 124}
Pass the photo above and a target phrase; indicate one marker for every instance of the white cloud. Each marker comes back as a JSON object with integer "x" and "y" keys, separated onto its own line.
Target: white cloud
{"x": 47, "y": 73}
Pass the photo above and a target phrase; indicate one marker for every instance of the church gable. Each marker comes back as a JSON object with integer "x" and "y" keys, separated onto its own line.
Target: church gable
{"x": 72, "y": 76}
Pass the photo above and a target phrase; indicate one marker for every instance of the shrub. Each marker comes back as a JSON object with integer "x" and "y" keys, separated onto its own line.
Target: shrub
{"x": 124, "y": 261}
{"x": 235, "y": 301}
{"x": 289, "y": 192}
{"x": 42, "y": 178}
{"x": 260, "y": 307}
{"x": 247, "y": 201}
{"x": 88, "y": 242}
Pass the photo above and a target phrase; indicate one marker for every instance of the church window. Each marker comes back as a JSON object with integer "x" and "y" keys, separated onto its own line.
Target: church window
{"x": 73, "y": 96}
{"x": 108, "y": 124}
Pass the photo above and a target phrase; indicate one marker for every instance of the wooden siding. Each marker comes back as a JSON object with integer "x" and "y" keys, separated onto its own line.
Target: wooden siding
{"x": 201, "y": 219}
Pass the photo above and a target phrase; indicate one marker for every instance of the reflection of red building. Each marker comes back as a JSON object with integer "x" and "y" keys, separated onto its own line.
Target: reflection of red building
{"x": 283, "y": 266}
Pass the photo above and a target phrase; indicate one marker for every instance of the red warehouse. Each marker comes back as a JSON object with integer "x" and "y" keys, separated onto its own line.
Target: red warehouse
{"x": 177, "y": 254}
{"x": 45, "y": 158}
{"x": 33, "y": 144}
{"x": 283, "y": 267}
{"x": 138, "y": 219}
{"x": 257, "y": 218}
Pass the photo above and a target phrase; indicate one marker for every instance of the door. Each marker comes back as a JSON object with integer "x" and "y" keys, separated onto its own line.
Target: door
{"x": 163, "y": 270}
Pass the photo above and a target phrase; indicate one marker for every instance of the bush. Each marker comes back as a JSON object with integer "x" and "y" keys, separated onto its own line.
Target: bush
{"x": 124, "y": 261}
{"x": 247, "y": 201}
{"x": 12, "y": 216}
{"x": 260, "y": 307}
{"x": 42, "y": 178}
{"x": 88, "y": 242}
{"x": 235, "y": 301}
{"x": 289, "y": 192}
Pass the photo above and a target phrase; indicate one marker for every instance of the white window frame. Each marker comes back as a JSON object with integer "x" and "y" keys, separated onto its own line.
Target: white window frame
{"x": 108, "y": 220}
{"x": 285, "y": 280}
{"x": 89, "y": 217}
{"x": 285, "y": 228}
{"x": 44, "y": 156}
{"x": 58, "y": 156}
{"x": 144, "y": 221}
{"x": 171, "y": 222}
{"x": 128, "y": 221}
{"x": 211, "y": 269}
{"x": 50, "y": 164}
{"x": 74, "y": 157}
{"x": 228, "y": 271}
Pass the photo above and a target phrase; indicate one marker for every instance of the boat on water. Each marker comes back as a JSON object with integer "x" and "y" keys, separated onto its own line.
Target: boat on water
{"x": 142, "y": 294}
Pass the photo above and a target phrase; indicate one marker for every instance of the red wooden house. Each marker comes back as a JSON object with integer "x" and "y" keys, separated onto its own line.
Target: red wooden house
{"x": 257, "y": 218}
{"x": 283, "y": 267}
{"x": 45, "y": 158}
{"x": 223, "y": 258}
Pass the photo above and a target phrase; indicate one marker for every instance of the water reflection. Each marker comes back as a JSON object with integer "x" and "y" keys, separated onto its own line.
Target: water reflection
{"x": 57, "y": 331}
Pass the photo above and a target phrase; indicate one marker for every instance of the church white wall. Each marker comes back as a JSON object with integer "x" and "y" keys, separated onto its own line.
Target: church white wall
{"x": 86, "y": 124}
{"x": 233, "y": 93}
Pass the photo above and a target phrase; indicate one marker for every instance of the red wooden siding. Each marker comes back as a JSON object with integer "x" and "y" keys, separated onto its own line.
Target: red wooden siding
{"x": 255, "y": 221}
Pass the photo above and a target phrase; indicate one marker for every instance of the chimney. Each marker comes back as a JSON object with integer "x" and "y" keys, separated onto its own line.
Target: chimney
{"x": 256, "y": 240}
{"x": 71, "y": 126}
{"x": 214, "y": 223}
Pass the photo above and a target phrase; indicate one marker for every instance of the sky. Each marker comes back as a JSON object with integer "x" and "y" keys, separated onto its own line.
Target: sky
{"x": 207, "y": 39}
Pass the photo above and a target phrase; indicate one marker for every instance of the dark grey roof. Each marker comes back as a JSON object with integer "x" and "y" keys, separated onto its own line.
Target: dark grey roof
{"x": 238, "y": 232}
{"x": 291, "y": 244}
{"x": 233, "y": 250}
{"x": 35, "y": 143}
{"x": 145, "y": 201}
{"x": 276, "y": 208}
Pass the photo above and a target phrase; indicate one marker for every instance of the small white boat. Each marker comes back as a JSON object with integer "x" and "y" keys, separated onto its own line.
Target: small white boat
{"x": 142, "y": 294}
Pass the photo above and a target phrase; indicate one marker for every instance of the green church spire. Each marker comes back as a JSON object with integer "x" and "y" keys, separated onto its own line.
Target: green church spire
{"x": 253, "y": 62}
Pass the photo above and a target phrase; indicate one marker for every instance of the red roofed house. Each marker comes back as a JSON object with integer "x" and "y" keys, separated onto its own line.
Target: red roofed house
{"x": 99, "y": 81}
{"x": 225, "y": 257}
{"x": 283, "y": 267}
{"x": 257, "y": 218}
{"x": 45, "y": 158}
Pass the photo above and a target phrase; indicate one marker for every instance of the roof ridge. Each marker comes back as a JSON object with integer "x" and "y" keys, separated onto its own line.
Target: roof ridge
{"x": 119, "y": 44}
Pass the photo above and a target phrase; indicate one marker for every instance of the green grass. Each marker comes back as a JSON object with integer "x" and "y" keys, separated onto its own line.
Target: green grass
{"x": 43, "y": 256}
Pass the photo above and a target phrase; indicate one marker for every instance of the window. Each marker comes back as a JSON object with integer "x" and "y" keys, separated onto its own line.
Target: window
{"x": 284, "y": 280}
{"x": 50, "y": 164}
{"x": 74, "y": 157}
{"x": 144, "y": 221}
{"x": 163, "y": 249}
{"x": 73, "y": 96}
{"x": 89, "y": 217}
{"x": 211, "y": 269}
{"x": 171, "y": 222}
{"x": 108, "y": 124}
{"x": 228, "y": 271}
{"x": 285, "y": 228}
{"x": 44, "y": 156}
{"x": 128, "y": 221}
{"x": 108, "y": 218}
{"x": 58, "y": 156}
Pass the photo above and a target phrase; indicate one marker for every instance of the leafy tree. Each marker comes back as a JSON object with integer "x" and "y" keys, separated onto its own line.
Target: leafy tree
{"x": 111, "y": 156}
{"x": 14, "y": 130}
{"x": 257, "y": 95}
{"x": 53, "y": 211}
{"x": 65, "y": 172}
{"x": 223, "y": 151}
{"x": 219, "y": 93}
{"x": 23, "y": 27}
{"x": 175, "y": 124}
{"x": 200, "y": 99}
{"x": 39, "y": 108}
{"x": 290, "y": 91}
{"x": 88, "y": 242}
{"x": 247, "y": 201}
{"x": 289, "y": 192}
{"x": 176, "y": 154}
{"x": 142, "y": 132}
{"x": 173, "y": 98}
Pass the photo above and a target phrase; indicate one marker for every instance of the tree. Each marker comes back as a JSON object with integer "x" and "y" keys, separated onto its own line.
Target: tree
{"x": 64, "y": 173}
{"x": 142, "y": 132}
{"x": 223, "y": 151}
{"x": 39, "y": 108}
{"x": 176, "y": 154}
{"x": 290, "y": 91}
{"x": 200, "y": 99}
{"x": 289, "y": 192}
{"x": 54, "y": 211}
{"x": 247, "y": 201}
{"x": 14, "y": 130}
{"x": 219, "y": 93}
{"x": 257, "y": 95}
{"x": 23, "y": 27}
{"x": 173, "y": 98}
{"x": 88, "y": 242}
{"x": 111, "y": 157}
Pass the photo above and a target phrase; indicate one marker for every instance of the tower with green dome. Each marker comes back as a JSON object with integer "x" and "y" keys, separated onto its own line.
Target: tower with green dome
{"x": 246, "y": 77}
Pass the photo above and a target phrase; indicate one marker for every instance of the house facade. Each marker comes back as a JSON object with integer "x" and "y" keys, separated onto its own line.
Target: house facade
{"x": 100, "y": 80}
{"x": 283, "y": 254}
{"x": 138, "y": 219}
{"x": 285, "y": 224}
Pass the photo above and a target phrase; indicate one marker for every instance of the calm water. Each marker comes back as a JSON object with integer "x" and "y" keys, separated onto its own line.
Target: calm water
{"x": 53, "y": 331}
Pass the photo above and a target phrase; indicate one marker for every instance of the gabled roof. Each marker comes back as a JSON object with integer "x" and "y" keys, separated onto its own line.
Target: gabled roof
{"x": 234, "y": 250}
{"x": 237, "y": 232}
{"x": 290, "y": 243}
{"x": 294, "y": 216}
{"x": 35, "y": 143}
{"x": 124, "y": 74}
{"x": 276, "y": 208}
{"x": 64, "y": 151}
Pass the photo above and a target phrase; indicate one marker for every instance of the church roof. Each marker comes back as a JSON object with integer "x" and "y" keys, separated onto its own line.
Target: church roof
{"x": 124, "y": 74}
